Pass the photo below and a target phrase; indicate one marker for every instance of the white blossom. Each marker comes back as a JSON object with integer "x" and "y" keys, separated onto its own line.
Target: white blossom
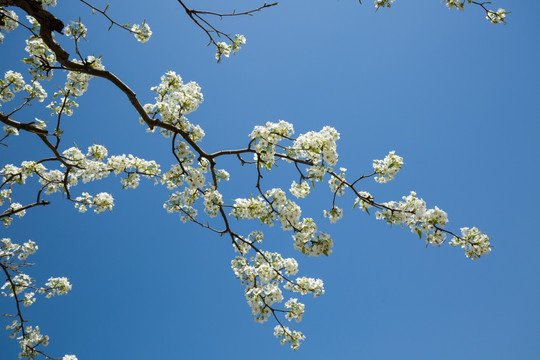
{"x": 334, "y": 214}
{"x": 287, "y": 336}
{"x": 318, "y": 146}
{"x": 10, "y": 130}
{"x": 474, "y": 242}
{"x": 238, "y": 40}
{"x": 9, "y": 23}
{"x": 57, "y": 286}
{"x": 337, "y": 183}
{"x": 141, "y": 32}
{"x": 383, "y": 3}
{"x": 102, "y": 201}
{"x": 496, "y": 17}
{"x": 296, "y": 310}
{"x": 13, "y": 83}
{"x": 48, "y": 2}
{"x": 299, "y": 190}
{"x": 365, "y": 201}
{"x": 386, "y": 169}
{"x": 222, "y": 49}
{"x": 212, "y": 202}
{"x": 75, "y": 30}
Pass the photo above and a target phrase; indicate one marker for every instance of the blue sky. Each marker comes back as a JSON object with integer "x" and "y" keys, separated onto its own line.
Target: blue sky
{"x": 455, "y": 96}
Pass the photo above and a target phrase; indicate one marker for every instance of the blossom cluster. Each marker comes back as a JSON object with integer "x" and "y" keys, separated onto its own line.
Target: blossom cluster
{"x": 387, "y": 168}
{"x": 334, "y": 214}
{"x": 496, "y": 17}
{"x": 47, "y": 2}
{"x": 287, "y": 336}
{"x": 212, "y": 202}
{"x": 76, "y": 85}
{"x": 102, "y": 201}
{"x": 9, "y": 22}
{"x": 253, "y": 208}
{"x": 10, "y": 251}
{"x": 30, "y": 341}
{"x": 262, "y": 276}
{"x": 77, "y": 82}
{"x": 224, "y": 49}
{"x": 473, "y": 241}
{"x": 22, "y": 287}
{"x": 412, "y": 212}
{"x": 76, "y": 30}
{"x": 299, "y": 190}
{"x": 383, "y": 3}
{"x": 319, "y": 148}
{"x": 273, "y": 206}
{"x": 337, "y": 183}
{"x": 94, "y": 165}
{"x": 10, "y": 130}
{"x": 41, "y": 59}
{"x": 458, "y": 4}
{"x": 195, "y": 185}
{"x": 174, "y": 100}
{"x": 20, "y": 283}
{"x": 141, "y": 32}
{"x": 13, "y": 83}
{"x": 310, "y": 244}
{"x": 364, "y": 201}
{"x": 265, "y": 138}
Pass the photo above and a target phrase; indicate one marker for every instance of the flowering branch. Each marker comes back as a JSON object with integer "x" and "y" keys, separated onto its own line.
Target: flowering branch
{"x": 194, "y": 179}
{"x": 222, "y": 48}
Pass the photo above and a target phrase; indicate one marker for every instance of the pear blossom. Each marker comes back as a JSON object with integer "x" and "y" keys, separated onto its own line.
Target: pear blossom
{"x": 337, "y": 183}
{"x": 212, "y": 202}
{"x": 194, "y": 182}
{"x": 10, "y": 130}
{"x": 334, "y": 214}
{"x": 299, "y": 190}
{"x": 287, "y": 336}
{"x": 496, "y": 17}
{"x": 13, "y": 83}
{"x": 9, "y": 23}
{"x": 57, "y": 286}
{"x": 365, "y": 201}
{"x": 222, "y": 49}
{"x": 296, "y": 310}
{"x": 76, "y": 30}
{"x": 48, "y": 2}
{"x": 141, "y": 32}
{"x": 475, "y": 243}
{"x": 387, "y": 168}
{"x": 383, "y": 3}
{"x": 238, "y": 40}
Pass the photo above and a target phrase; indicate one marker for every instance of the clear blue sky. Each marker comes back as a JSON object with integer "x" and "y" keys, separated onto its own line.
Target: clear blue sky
{"x": 455, "y": 96}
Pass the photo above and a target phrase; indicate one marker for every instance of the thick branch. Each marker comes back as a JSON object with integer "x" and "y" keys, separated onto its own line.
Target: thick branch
{"x": 30, "y": 127}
